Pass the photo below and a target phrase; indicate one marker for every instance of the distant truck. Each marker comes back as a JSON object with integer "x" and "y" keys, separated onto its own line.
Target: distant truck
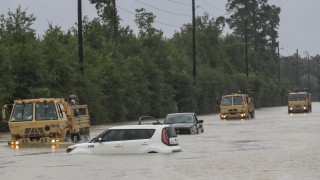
{"x": 299, "y": 101}
{"x": 237, "y": 106}
{"x": 46, "y": 120}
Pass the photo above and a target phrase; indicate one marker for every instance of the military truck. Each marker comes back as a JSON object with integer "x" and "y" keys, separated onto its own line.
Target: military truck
{"x": 299, "y": 101}
{"x": 237, "y": 106}
{"x": 47, "y": 120}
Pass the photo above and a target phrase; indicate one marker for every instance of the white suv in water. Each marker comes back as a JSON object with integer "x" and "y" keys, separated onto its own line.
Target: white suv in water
{"x": 131, "y": 139}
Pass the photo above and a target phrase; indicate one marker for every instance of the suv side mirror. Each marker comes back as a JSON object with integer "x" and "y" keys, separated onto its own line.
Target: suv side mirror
{"x": 200, "y": 121}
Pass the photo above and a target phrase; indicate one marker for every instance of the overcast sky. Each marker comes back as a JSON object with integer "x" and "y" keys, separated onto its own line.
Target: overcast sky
{"x": 299, "y": 24}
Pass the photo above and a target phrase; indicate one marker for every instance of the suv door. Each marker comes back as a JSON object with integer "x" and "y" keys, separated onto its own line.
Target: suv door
{"x": 110, "y": 142}
{"x": 137, "y": 140}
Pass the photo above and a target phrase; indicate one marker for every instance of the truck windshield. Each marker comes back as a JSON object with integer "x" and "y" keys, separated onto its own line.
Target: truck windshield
{"x": 238, "y": 100}
{"x": 297, "y": 97}
{"x": 232, "y": 100}
{"x": 46, "y": 111}
{"x": 226, "y": 101}
{"x": 22, "y": 112}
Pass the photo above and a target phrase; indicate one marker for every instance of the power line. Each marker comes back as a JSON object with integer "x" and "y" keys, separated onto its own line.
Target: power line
{"x": 204, "y": 10}
{"x": 126, "y": 10}
{"x": 180, "y": 3}
{"x": 154, "y": 20}
{"x": 214, "y": 6}
{"x": 162, "y": 9}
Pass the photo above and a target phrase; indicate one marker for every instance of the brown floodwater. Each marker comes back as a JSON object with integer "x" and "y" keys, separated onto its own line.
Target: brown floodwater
{"x": 274, "y": 145}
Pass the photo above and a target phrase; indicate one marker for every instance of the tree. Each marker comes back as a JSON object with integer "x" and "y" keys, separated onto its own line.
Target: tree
{"x": 60, "y": 62}
{"x": 259, "y": 21}
{"x": 20, "y": 52}
{"x": 107, "y": 12}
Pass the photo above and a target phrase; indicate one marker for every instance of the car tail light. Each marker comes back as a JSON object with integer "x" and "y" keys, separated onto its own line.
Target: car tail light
{"x": 164, "y": 136}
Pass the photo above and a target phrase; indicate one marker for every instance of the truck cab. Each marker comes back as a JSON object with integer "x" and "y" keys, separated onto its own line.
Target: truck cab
{"x": 299, "y": 102}
{"x": 46, "y": 120}
{"x": 236, "y": 106}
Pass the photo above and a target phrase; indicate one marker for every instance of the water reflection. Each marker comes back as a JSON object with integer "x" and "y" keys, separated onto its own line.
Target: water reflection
{"x": 38, "y": 148}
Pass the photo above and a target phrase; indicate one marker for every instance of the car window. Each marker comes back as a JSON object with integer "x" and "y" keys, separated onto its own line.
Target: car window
{"x": 132, "y": 134}
{"x": 113, "y": 135}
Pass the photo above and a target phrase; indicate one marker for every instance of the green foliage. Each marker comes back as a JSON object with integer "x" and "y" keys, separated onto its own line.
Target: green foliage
{"x": 127, "y": 75}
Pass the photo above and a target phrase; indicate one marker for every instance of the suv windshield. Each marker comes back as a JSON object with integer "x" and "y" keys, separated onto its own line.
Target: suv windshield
{"x": 172, "y": 119}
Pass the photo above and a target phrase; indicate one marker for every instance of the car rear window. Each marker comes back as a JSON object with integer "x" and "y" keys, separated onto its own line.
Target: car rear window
{"x": 132, "y": 134}
{"x": 171, "y": 132}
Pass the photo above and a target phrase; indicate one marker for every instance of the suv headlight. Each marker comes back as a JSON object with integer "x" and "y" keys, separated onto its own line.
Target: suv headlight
{"x": 193, "y": 130}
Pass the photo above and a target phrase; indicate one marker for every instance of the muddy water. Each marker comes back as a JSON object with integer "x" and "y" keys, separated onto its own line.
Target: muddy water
{"x": 274, "y": 145}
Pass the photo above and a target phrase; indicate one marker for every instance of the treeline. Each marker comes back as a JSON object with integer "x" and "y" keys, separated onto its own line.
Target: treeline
{"x": 126, "y": 75}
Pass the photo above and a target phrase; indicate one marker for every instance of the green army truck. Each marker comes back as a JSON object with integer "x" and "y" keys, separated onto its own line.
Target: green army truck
{"x": 299, "y": 101}
{"x": 237, "y": 106}
{"x": 46, "y": 120}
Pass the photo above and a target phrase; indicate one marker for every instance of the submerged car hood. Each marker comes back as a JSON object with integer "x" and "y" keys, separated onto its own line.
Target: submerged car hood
{"x": 82, "y": 148}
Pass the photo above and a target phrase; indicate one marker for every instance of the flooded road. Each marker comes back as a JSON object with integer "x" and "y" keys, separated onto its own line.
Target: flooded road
{"x": 274, "y": 145}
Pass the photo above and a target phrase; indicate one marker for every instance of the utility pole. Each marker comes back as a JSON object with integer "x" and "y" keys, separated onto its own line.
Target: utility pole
{"x": 80, "y": 41}
{"x": 308, "y": 73}
{"x": 318, "y": 78}
{"x": 194, "y": 40}
{"x": 278, "y": 63}
{"x": 308, "y": 70}
{"x": 297, "y": 69}
{"x": 246, "y": 45}
{"x": 115, "y": 21}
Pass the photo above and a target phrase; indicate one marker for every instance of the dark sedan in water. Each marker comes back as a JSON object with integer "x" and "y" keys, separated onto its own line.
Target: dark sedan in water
{"x": 184, "y": 123}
